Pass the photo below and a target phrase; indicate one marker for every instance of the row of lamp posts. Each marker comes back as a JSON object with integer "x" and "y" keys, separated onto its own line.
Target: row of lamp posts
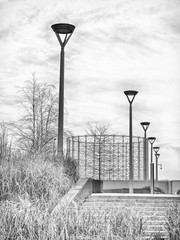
{"x": 66, "y": 30}
{"x": 130, "y": 94}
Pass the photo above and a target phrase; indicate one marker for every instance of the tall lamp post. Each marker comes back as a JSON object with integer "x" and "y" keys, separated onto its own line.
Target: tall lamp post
{"x": 151, "y": 141}
{"x": 156, "y": 150}
{"x": 65, "y": 30}
{"x": 157, "y": 155}
{"x": 130, "y": 94}
{"x": 145, "y": 126}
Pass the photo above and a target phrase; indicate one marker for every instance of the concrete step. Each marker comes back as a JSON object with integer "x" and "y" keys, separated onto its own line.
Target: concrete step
{"x": 155, "y": 222}
{"x": 152, "y": 208}
{"x": 154, "y": 217}
{"x": 149, "y": 235}
{"x": 122, "y": 205}
{"x": 129, "y": 201}
{"x": 134, "y": 195}
{"x": 137, "y": 197}
{"x": 144, "y": 212}
{"x": 156, "y": 228}
{"x": 138, "y": 201}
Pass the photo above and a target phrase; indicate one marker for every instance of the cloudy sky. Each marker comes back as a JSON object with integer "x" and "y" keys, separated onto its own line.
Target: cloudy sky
{"x": 117, "y": 45}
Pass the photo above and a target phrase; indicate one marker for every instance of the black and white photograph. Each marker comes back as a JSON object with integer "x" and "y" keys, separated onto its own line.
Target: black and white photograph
{"x": 89, "y": 120}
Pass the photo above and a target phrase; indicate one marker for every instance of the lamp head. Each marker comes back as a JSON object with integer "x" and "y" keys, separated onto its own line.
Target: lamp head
{"x": 130, "y": 94}
{"x": 145, "y": 125}
{"x": 157, "y": 155}
{"x": 151, "y": 139}
{"x": 156, "y": 149}
{"x": 63, "y": 28}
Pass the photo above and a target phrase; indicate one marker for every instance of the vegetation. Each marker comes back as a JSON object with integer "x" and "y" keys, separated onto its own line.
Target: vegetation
{"x": 5, "y": 144}
{"x": 36, "y": 127}
{"x": 30, "y": 208}
{"x": 25, "y": 220}
{"x": 148, "y": 190}
{"x": 173, "y": 222}
{"x": 29, "y": 189}
{"x": 34, "y": 178}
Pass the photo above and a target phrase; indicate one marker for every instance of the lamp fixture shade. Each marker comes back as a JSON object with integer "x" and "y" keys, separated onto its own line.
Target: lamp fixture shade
{"x": 151, "y": 140}
{"x": 145, "y": 125}
{"x": 63, "y": 28}
{"x": 157, "y": 155}
{"x": 156, "y": 149}
{"x": 130, "y": 94}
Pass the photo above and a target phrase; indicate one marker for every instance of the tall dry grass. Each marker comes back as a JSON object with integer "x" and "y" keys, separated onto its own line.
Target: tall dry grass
{"x": 38, "y": 220}
{"x": 31, "y": 208}
{"x": 33, "y": 178}
{"x": 173, "y": 221}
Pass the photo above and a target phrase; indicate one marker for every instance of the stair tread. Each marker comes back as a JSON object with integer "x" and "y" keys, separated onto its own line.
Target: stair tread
{"x": 152, "y": 208}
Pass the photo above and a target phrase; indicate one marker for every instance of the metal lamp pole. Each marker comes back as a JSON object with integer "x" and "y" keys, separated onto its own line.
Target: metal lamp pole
{"x": 151, "y": 141}
{"x": 145, "y": 126}
{"x": 66, "y": 30}
{"x": 156, "y": 150}
{"x": 157, "y": 155}
{"x": 130, "y": 94}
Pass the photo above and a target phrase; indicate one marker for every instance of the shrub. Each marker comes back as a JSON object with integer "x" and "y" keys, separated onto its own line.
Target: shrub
{"x": 148, "y": 190}
{"x": 33, "y": 177}
{"x": 158, "y": 190}
{"x": 178, "y": 192}
{"x": 71, "y": 170}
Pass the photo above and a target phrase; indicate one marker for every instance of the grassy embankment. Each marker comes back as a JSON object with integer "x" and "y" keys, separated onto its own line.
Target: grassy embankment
{"x": 30, "y": 208}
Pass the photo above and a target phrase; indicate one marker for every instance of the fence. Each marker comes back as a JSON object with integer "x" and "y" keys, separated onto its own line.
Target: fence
{"x": 106, "y": 156}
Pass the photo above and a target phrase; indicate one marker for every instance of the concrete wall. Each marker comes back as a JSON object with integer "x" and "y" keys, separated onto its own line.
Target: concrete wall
{"x": 117, "y": 184}
{"x": 85, "y": 186}
{"x": 175, "y": 186}
{"x": 81, "y": 190}
{"x": 169, "y": 187}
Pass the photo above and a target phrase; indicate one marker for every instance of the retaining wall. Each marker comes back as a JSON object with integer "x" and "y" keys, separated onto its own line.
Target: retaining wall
{"x": 169, "y": 187}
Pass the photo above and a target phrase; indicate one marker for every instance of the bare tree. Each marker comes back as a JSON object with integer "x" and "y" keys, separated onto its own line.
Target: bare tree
{"x": 97, "y": 129}
{"x": 37, "y": 126}
{"x": 99, "y": 148}
{"x": 5, "y": 144}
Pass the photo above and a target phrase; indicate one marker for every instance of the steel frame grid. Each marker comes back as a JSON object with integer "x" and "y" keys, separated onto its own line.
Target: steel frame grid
{"x": 106, "y": 157}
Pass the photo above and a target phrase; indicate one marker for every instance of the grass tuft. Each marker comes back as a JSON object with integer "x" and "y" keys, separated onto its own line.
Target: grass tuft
{"x": 173, "y": 221}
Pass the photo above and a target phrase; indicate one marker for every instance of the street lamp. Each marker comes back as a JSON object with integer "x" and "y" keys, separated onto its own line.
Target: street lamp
{"x": 130, "y": 94}
{"x": 151, "y": 141}
{"x": 145, "y": 126}
{"x": 156, "y": 150}
{"x": 65, "y": 30}
{"x": 157, "y": 155}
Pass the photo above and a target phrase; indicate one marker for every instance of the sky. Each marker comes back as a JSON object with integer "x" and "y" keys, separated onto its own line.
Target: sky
{"x": 117, "y": 45}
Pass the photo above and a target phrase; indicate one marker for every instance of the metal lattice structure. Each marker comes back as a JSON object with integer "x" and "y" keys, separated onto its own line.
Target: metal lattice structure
{"x": 106, "y": 157}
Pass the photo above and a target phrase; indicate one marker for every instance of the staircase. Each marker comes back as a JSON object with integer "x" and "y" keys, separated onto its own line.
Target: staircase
{"x": 152, "y": 208}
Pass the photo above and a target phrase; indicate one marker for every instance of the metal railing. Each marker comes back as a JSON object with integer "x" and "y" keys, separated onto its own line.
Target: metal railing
{"x": 106, "y": 157}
